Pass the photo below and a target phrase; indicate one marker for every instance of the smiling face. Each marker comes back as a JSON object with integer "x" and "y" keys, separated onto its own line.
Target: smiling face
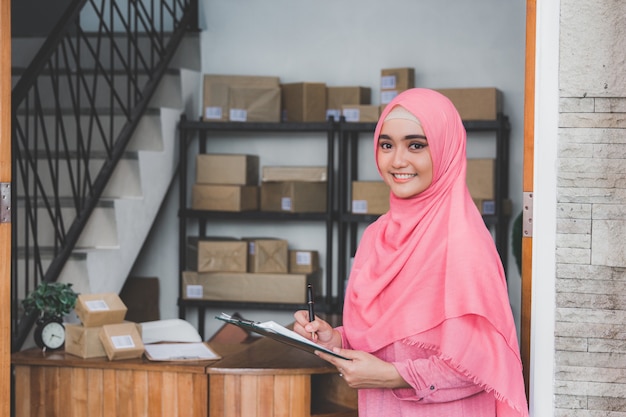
{"x": 403, "y": 157}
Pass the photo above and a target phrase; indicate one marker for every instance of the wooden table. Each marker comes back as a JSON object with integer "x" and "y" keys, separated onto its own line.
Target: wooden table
{"x": 265, "y": 378}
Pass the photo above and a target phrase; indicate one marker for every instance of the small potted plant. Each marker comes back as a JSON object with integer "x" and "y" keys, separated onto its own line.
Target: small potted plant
{"x": 51, "y": 301}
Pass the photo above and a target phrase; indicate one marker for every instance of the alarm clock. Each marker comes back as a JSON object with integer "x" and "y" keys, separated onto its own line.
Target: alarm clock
{"x": 50, "y": 334}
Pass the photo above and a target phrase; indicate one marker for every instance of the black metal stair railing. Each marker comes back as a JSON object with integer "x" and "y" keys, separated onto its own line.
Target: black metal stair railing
{"x": 80, "y": 101}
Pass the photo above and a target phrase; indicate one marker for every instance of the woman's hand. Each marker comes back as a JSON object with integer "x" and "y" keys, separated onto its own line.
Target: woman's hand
{"x": 318, "y": 330}
{"x": 364, "y": 370}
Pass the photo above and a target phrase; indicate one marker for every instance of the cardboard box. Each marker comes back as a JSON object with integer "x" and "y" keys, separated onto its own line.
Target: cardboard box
{"x": 225, "y": 197}
{"x": 83, "y": 341}
{"x": 254, "y": 104}
{"x": 362, "y": 113}
{"x": 259, "y": 95}
{"x": 291, "y": 173}
{"x": 121, "y": 341}
{"x": 395, "y": 80}
{"x": 217, "y": 254}
{"x": 227, "y": 169}
{"x": 304, "y": 102}
{"x": 267, "y": 255}
{"x": 248, "y": 287}
{"x": 99, "y": 309}
{"x": 303, "y": 261}
{"x": 370, "y": 197}
{"x": 337, "y": 97}
{"x": 293, "y": 196}
{"x": 480, "y": 178}
{"x": 475, "y": 103}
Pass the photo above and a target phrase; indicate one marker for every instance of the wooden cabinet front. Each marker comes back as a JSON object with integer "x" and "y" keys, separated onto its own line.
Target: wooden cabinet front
{"x": 67, "y": 386}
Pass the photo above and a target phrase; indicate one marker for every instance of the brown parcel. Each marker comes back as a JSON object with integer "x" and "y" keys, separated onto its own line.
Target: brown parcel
{"x": 370, "y": 197}
{"x": 224, "y": 197}
{"x": 336, "y": 97}
{"x": 481, "y": 184}
{"x": 227, "y": 169}
{"x": 475, "y": 103}
{"x": 481, "y": 178}
{"x": 248, "y": 287}
{"x": 294, "y": 173}
{"x": 121, "y": 341}
{"x": 99, "y": 309}
{"x": 303, "y": 261}
{"x": 254, "y": 104}
{"x": 361, "y": 113}
{"x": 303, "y": 102}
{"x": 267, "y": 255}
{"x": 293, "y": 197}
{"x": 83, "y": 341}
{"x": 217, "y": 254}
{"x": 218, "y": 89}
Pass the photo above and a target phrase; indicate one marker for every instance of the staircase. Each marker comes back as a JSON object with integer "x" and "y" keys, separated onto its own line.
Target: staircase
{"x": 116, "y": 227}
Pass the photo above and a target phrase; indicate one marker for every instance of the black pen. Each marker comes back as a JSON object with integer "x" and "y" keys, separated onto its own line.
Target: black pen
{"x": 311, "y": 303}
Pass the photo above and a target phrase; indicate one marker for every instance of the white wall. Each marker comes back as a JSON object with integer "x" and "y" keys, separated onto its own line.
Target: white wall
{"x": 456, "y": 43}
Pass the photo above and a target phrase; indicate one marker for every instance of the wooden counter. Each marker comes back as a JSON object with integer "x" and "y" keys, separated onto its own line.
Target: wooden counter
{"x": 273, "y": 379}
{"x": 265, "y": 378}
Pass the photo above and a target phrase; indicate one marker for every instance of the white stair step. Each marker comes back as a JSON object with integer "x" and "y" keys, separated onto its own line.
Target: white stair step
{"x": 102, "y": 95}
{"x": 70, "y": 128}
{"x": 24, "y": 49}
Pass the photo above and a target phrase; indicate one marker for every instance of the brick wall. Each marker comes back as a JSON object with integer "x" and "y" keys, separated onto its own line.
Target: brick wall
{"x": 590, "y": 356}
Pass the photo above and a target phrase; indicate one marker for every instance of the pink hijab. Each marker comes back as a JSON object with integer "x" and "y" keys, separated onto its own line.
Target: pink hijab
{"x": 427, "y": 272}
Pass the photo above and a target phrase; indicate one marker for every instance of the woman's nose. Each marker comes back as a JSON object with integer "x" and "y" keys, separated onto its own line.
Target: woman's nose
{"x": 399, "y": 158}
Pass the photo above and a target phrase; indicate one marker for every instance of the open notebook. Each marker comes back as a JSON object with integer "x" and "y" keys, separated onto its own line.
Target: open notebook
{"x": 277, "y": 332}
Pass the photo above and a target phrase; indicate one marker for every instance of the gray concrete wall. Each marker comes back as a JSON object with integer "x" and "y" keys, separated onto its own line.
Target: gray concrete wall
{"x": 590, "y": 322}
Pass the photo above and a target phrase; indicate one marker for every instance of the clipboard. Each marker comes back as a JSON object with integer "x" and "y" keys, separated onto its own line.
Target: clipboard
{"x": 277, "y": 332}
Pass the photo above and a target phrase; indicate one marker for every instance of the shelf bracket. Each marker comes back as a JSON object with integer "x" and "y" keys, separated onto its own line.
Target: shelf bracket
{"x": 527, "y": 214}
{"x": 5, "y": 202}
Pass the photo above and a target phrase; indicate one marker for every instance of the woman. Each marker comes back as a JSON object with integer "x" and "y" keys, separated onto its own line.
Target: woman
{"x": 427, "y": 322}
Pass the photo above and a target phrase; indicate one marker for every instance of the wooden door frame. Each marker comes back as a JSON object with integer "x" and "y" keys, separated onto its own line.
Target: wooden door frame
{"x": 527, "y": 186}
{"x": 5, "y": 227}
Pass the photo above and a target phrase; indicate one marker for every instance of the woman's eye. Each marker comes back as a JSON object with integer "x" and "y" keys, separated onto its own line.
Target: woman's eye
{"x": 417, "y": 145}
{"x": 385, "y": 145}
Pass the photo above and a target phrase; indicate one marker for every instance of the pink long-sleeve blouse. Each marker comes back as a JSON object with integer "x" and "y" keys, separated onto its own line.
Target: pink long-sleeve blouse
{"x": 436, "y": 389}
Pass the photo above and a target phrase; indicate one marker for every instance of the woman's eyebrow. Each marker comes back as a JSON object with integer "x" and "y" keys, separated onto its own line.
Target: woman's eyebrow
{"x": 416, "y": 136}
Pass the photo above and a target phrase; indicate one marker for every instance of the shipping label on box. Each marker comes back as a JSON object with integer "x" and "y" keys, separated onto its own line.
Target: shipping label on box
{"x": 224, "y": 197}
{"x": 217, "y": 254}
{"x": 249, "y": 287}
{"x": 99, "y": 309}
{"x": 303, "y": 261}
{"x": 363, "y": 113}
{"x": 303, "y": 102}
{"x": 122, "y": 341}
{"x": 370, "y": 197}
{"x": 294, "y": 173}
{"x": 268, "y": 255}
{"x": 293, "y": 197}
{"x": 337, "y": 97}
{"x": 227, "y": 169}
{"x": 83, "y": 341}
{"x": 395, "y": 80}
{"x": 475, "y": 103}
{"x": 218, "y": 90}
